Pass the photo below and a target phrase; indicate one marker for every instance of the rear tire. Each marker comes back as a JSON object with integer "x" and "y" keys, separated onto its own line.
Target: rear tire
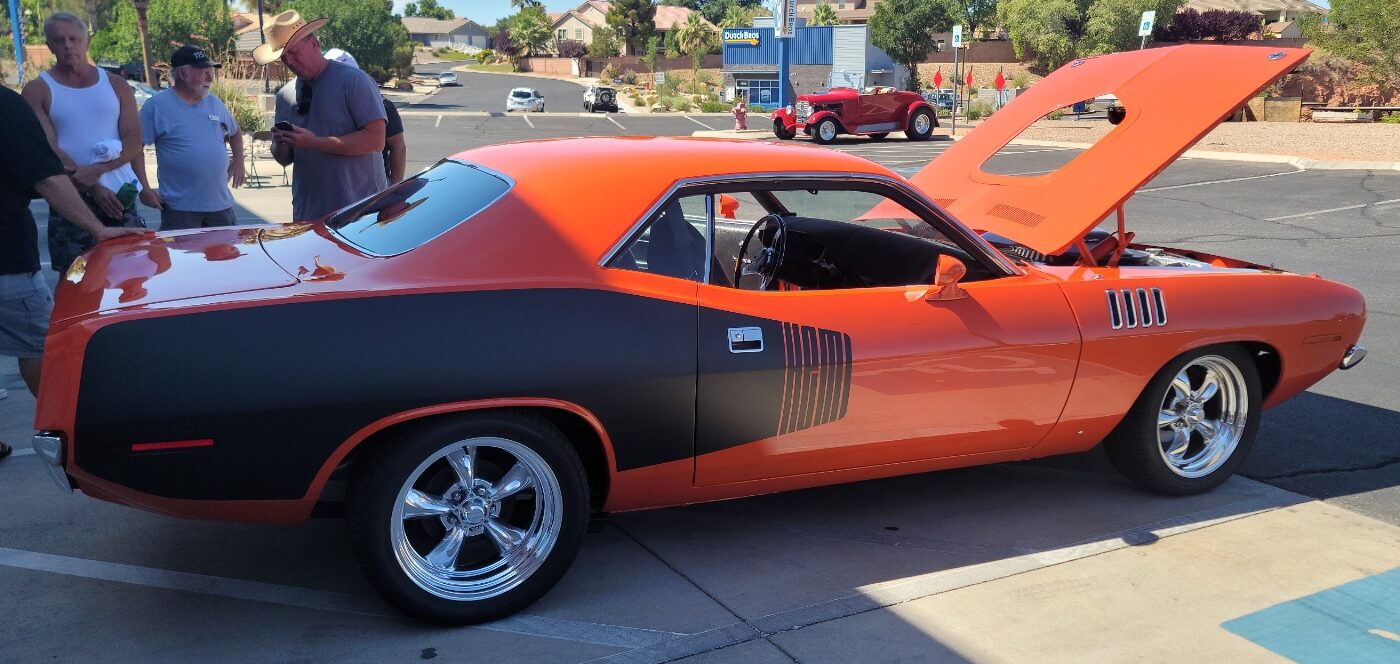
{"x": 1193, "y": 424}
{"x": 468, "y": 519}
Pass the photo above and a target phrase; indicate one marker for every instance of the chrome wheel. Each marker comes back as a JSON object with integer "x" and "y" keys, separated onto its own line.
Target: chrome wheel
{"x": 922, "y": 123}
{"x": 476, "y": 519}
{"x": 1202, "y": 416}
{"x": 826, "y": 131}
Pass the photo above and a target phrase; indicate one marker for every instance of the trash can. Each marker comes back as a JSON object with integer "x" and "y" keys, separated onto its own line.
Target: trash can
{"x": 1080, "y": 107}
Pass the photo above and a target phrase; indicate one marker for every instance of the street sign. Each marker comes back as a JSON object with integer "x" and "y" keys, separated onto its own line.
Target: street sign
{"x": 661, "y": 78}
{"x": 1145, "y": 27}
{"x": 957, "y": 36}
{"x": 785, "y": 21}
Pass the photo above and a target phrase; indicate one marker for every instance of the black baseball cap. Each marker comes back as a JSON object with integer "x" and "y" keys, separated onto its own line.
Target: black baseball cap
{"x": 192, "y": 56}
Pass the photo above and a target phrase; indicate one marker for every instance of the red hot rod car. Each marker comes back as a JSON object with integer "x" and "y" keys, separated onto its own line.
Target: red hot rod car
{"x": 874, "y": 113}
{"x": 472, "y": 361}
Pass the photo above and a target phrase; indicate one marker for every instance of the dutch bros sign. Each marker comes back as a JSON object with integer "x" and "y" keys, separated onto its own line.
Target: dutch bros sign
{"x": 741, "y": 37}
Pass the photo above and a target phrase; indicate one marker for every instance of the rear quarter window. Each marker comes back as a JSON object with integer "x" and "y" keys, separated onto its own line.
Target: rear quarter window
{"x": 413, "y": 212}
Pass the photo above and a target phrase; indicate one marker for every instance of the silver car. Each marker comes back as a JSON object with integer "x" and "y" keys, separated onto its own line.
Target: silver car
{"x": 524, "y": 99}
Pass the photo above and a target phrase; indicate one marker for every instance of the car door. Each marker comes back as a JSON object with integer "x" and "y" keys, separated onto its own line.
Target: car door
{"x": 815, "y": 380}
{"x": 877, "y": 112}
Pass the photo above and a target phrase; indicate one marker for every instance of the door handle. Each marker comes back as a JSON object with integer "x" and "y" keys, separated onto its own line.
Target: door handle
{"x": 745, "y": 340}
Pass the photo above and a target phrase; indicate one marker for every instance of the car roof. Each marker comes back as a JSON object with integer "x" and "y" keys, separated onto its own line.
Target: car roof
{"x": 522, "y": 89}
{"x": 589, "y": 208}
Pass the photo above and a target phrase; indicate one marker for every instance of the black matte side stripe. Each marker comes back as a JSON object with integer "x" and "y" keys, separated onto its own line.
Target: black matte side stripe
{"x": 817, "y": 380}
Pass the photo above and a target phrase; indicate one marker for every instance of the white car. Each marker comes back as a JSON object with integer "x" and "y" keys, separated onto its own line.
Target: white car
{"x": 447, "y": 78}
{"x": 525, "y": 99}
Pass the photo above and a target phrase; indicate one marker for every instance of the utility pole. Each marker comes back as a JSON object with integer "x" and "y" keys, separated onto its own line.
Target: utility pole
{"x": 141, "y": 27}
{"x": 262, "y": 39}
{"x": 957, "y": 76}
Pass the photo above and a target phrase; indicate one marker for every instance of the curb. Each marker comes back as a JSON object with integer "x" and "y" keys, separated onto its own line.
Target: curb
{"x": 1300, "y": 163}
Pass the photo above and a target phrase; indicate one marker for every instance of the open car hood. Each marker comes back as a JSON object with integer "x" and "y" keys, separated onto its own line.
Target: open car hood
{"x": 1173, "y": 96}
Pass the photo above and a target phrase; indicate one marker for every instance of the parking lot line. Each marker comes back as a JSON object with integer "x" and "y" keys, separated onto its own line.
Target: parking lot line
{"x": 526, "y": 118}
{"x": 1225, "y": 181}
{"x": 698, "y": 122}
{"x": 554, "y": 628}
{"x": 1336, "y": 209}
{"x": 22, "y": 451}
{"x": 439, "y": 120}
{"x": 610, "y": 119}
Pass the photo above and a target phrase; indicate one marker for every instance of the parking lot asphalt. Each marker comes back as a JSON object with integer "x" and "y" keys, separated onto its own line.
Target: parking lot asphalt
{"x": 1055, "y": 560}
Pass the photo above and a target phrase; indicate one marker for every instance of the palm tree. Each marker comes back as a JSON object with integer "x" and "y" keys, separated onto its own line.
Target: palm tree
{"x": 522, "y": 5}
{"x": 141, "y": 28}
{"x": 823, "y": 15}
{"x": 734, "y": 17}
{"x": 695, "y": 38}
{"x": 529, "y": 31}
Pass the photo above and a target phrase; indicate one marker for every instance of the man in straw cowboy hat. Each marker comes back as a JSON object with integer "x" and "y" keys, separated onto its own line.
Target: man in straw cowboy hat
{"x": 335, "y": 129}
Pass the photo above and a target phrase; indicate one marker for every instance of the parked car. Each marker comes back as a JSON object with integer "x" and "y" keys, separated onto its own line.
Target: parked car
{"x": 524, "y": 99}
{"x": 471, "y": 362}
{"x": 142, "y": 92}
{"x": 875, "y": 113}
{"x": 599, "y": 98}
{"x": 447, "y": 78}
{"x": 944, "y": 99}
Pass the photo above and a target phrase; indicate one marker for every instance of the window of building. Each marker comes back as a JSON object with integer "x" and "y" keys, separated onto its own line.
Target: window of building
{"x": 578, "y": 34}
{"x": 758, "y": 90}
{"x": 563, "y": 34}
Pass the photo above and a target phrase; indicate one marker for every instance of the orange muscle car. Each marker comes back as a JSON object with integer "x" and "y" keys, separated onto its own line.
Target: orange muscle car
{"x": 471, "y": 362}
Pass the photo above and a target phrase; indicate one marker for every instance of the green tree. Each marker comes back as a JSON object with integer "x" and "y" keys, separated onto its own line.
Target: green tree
{"x": 634, "y": 21}
{"x": 530, "y": 32}
{"x": 365, "y": 28}
{"x": 428, "y": 9}
{"x": 1363, "y": 31}
{"x": 1112, "y": 25}
{"x": 522, "y": 5}
{"x": 971, "y": 14}
{"x": 172, "y": 24}
{"x": 671, "y": 45}
{"x": 696, "y": 37}
{"x": 823, "y": 15}
{"x": 649, "y": 53}
{"x": 1058, "y": 31}
{"x": 904, "y": 29}
{"x": 604, "y": 44}
{"x": 734, "y": 17}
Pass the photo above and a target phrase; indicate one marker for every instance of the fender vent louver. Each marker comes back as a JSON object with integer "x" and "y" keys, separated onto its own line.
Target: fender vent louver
{"x": 1129, "y": 308}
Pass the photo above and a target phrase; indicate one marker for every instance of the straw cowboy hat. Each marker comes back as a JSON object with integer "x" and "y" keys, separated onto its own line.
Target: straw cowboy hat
{"x": 285, "y": 29}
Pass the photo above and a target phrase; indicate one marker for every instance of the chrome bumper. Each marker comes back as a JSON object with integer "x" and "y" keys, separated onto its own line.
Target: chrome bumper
{"x": 1354, "y": 356}
{"x": 49, "y": 447}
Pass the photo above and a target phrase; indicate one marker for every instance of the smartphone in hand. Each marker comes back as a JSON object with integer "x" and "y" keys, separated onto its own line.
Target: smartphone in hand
{"x": 283, "y": 125}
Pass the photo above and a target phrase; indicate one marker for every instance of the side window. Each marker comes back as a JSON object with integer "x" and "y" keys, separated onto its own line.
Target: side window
{"x": 672, "y": 243}
{"x": 830, "y": 239}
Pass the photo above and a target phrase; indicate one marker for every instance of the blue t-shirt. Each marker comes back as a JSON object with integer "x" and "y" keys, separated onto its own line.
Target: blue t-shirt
{"x": 191, "y": 161}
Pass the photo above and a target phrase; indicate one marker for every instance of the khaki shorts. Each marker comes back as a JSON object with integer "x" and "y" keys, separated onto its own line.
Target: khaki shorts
{"x": 25, "y": 307}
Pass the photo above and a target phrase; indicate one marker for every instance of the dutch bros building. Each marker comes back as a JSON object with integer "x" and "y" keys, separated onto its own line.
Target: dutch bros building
{"x": 822, "y": 57}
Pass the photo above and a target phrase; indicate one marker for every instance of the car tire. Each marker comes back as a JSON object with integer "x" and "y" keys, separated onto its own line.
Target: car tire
{"x": 880, "y": 136}
{"x": 781, "y": 131}
{"x": 587, "y": 107}
{"x": 826, "y": 131}
{"x": 515, "y": 530}
{"x": 921, "y": 125}
{"x": 1165, "y": 443}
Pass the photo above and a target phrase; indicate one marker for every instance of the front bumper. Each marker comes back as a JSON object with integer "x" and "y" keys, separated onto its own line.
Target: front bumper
{"x": 1354, "y": 356}
{"x": 48, "y": 446}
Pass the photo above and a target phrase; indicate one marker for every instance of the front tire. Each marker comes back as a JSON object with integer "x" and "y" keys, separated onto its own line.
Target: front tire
{"x": 1193, "y": 425}
{"x": 468, "y": 519}
{"x": 782, "y": 131}
{"x": 826, "y": 131}
{"x": 921, "y": 125}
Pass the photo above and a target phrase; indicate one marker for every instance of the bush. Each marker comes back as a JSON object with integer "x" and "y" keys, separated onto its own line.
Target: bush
{"x": 484, "y": 55}
{"x": 572, "y": 48}
{"x": 944, "y": 113}
{"x": 714, "y": 107}
{"x": 608, "y": 74}
{"x": 1391, "y": 118}
{"x": 760, "y": 109}
{"x": 979, "y": 110}
{"x": 1055, "y": 114}
{"x": 243, "y": 110}
{"x": 679, "y": 103}
{"x": 629, "y": 77}
{"x": 1021, "y": 80}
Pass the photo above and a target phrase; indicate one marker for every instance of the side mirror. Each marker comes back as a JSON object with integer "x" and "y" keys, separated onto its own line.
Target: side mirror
{"x": 945, "y": 282}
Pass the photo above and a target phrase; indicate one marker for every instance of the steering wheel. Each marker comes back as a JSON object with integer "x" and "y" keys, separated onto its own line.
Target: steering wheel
{"x": 766, "y": 262}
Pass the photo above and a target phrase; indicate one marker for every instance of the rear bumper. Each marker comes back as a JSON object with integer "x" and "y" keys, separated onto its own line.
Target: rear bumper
{"x": 49, "y": 447}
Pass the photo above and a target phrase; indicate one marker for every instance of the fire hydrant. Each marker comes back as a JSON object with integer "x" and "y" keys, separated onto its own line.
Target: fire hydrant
{"x": 741, "y": 115}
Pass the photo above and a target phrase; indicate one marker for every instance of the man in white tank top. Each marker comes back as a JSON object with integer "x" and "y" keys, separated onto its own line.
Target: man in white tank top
{"x": 91, "y": 119}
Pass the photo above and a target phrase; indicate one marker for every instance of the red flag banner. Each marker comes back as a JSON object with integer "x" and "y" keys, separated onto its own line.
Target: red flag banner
{"x": 1001, "y": 81}
{"x": 938, "y": 78}
{"x": 969, "y": 76}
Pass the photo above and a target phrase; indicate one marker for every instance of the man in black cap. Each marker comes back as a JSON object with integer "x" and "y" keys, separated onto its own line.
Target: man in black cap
{"x": 189, "y": 127}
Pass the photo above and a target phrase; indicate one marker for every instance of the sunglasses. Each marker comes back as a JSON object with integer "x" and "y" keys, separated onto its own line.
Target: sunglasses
{"x": 304, "y": 98}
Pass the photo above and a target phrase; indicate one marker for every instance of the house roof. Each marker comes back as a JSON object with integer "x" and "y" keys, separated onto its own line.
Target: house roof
{"x": 667, "y": 17}
{"x": 1255, "y": 6}
{"x": 417, "y": 25}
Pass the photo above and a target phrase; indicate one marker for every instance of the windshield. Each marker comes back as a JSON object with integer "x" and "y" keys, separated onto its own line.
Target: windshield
{"x": 520, "y": 94}
{"x": 412, "y": 212}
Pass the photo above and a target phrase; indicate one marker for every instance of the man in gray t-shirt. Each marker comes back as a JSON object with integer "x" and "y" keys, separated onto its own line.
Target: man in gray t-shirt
{"x": 336, "y": 134}
{"x": 189, "y": 127}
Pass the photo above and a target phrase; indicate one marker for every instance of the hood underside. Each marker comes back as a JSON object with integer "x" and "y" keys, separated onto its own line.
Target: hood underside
{"x": 1173, "y": 96}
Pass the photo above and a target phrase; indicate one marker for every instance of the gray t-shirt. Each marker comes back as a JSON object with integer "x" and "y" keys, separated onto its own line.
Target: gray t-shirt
{"x": 191, "y": 161}
{"x": 343, "y": 100}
